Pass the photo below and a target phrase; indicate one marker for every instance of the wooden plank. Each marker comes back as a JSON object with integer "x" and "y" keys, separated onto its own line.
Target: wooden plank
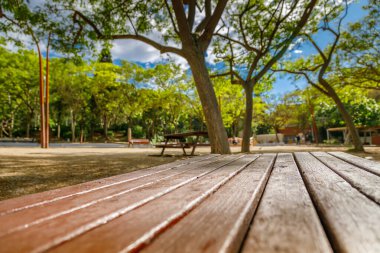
{"x": 286, "y": 220}
{"x": 186, "y": 134}
{"x": 42, "y": 235}
{"x": 20, "y": 203}
{"x": 220, "y": 223}
{"x": 366, "y": 182}
{"x": 16, "y": 220}
{"x": 371, "y": 166}
{"x": 351, "y": 220}
{"x": 172, "y": 145}
{"x": 228, "y": 209}
{"x": 133, "y": 230}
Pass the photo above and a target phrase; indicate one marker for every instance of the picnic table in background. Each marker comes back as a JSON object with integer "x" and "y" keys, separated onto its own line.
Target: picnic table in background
{"x": 183, "y": 145}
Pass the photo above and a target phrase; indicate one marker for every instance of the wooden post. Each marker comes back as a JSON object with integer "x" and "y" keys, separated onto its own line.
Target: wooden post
{"x": 47, "y": 127}
{"x": 42, "y": 104}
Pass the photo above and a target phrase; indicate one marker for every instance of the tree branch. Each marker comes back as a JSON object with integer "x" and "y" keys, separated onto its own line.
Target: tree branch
{"x": 191, "y": 14}
{"x": 304, "y": 18}
{"x": 100, "y": 35}
{"x": 201, "y": 26}
{"x": 171, "y": 17}
{"x": 183, "y": 25}
{"x": 306, "y": 77}
{"x": 246, "y": 46}
{"x": 230, "y": 73}
{"x": 206, "y": 36}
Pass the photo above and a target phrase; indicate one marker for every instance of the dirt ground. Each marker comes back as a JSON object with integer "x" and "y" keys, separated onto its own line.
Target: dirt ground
{"x": 26, "y": 170}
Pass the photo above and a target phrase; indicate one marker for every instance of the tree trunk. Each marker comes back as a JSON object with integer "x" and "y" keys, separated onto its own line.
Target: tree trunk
{"x": 358, "y": 146}
{"x": 81, "y": 135}
{"x": 314, "y": 124}
{"x": 276, "y": 132}
{"x": 72, "y": 126}
{"x": 28, "y": 129}
{"x": 29, "y": 118}
{"x": 59, "y": 132}
{"x": 12, "y": 125}
{"x": 105, "y": 126}
{"x": 216, "y": 131}
{"x": 248, "y": 88}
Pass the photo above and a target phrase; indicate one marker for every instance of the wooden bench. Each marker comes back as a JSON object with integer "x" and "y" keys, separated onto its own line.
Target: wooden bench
{"x": 138, "y": 141}
{"x": 301, "y": 202}
{"x": 183, "y": 145}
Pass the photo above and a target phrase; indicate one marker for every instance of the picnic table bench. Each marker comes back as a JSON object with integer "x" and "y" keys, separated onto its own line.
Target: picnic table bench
{"x": 183, "y": 145}
{"x": 131, "y": 142}
{"x": 301, "y": 202}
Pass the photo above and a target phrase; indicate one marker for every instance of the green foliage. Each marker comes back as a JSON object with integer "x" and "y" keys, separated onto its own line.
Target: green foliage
{"x": 88, "y": 94}
{"x": 365, "y": 111}
{"x": 18, "y": 88}
{"x": 359, "y": 62}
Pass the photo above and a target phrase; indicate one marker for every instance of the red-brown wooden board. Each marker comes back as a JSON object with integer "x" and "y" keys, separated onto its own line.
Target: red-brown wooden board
{"x": 227, "y": 203}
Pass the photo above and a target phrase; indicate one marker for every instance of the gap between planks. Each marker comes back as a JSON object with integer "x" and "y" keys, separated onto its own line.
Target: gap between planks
{"x": 365, "y": 182}
{"x": 350, "y": 219}
{"x": 24, "y": 202}
{"x": 56, "y": 231}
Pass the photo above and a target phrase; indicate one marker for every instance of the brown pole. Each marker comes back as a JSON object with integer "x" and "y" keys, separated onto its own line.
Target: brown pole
{"x": 42, "y": 111}
{"x": 47, "y": 125}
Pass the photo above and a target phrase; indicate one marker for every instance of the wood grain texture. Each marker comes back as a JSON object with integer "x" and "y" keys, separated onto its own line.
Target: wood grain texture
{"x": 371, "y": 166}
{"x": 47, "y": 233}
{"x": 286, "y": 220}
{"x": 364, "y": 181}
{"x": 32, "y": 215}
{"x": 220, "y": 223}
{"x": 351, "y": 220}
{"x": 152, "y": 218}
{"x": 20, "y": 203}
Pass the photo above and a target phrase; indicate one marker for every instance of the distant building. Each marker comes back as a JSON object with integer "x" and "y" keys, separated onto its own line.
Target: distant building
{"x": 290, "y": 134}
{"x": 368, "y": 135}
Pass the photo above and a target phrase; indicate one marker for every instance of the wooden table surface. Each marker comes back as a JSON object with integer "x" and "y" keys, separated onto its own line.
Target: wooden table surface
{"x": 186, "y": 134}
{"x": 301, "y": 202}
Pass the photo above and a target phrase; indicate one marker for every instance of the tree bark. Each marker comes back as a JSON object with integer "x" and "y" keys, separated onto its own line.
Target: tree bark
{"x": 105, "y": 127}
{"x": 216, "y": 131}
{"x": 276, "y": 132}
{"x": 12, "y": 125}
{"x": 314, "y": 124}
{"x": 358, "y": 146}
{"x": 72, "y": 126}
{"x": 59, "y": 132}
{"x": 247, "y": 132}
{"x": 29, "y": 118}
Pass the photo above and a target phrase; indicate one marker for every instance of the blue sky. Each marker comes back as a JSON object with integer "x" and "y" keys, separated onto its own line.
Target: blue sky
{"x": 283, "y": 82}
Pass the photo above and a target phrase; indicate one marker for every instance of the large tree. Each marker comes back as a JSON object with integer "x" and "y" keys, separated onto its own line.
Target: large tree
{"x": 256, "y": 34}
{"x": 316, "y": 68}
{"x": 184, "y": 28}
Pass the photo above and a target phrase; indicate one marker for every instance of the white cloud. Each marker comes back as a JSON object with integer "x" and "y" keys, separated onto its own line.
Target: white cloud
{"x": 132, "y": 50}
{"x": 298, "y": 51}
